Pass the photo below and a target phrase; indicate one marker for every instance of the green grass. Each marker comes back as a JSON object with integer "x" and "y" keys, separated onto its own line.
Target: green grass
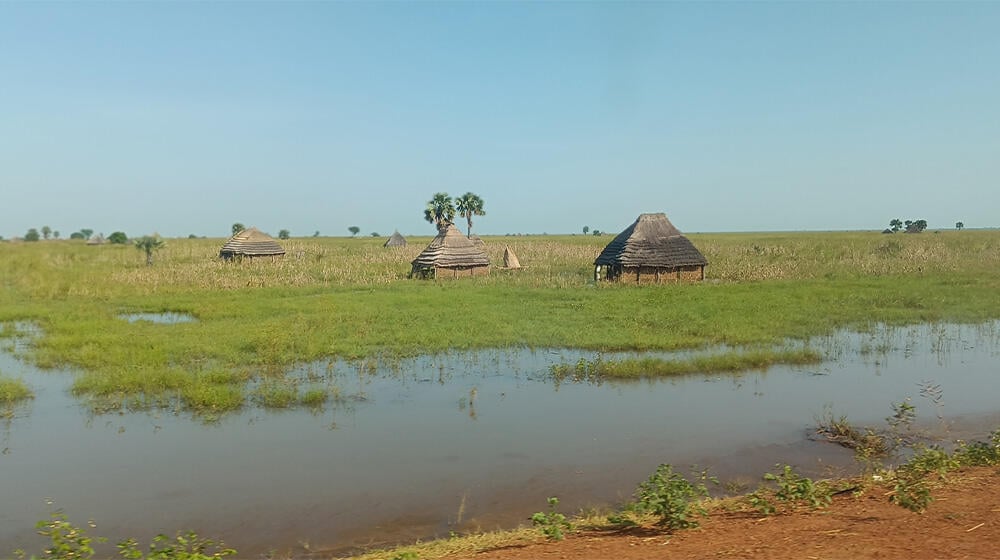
{"x": 13, "y": 390}
{"x": 350, "y": 298}
{"x": 641, "y": 368}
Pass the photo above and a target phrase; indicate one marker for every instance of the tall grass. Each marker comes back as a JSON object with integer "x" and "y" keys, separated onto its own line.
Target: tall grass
{"x": 350, "y": 298}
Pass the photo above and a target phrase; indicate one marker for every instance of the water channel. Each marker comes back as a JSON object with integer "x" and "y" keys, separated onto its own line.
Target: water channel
{"x": 463, "y": 442}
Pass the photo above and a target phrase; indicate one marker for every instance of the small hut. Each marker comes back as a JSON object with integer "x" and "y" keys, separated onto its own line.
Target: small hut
{"x": 651, "y": 250}
{"x": 510, "y": 258}
{"x": 251, "y": 244}
{"x": 96, "y": 239}
{"x": 395, "y": 240}
{"x": 451, "y": 254}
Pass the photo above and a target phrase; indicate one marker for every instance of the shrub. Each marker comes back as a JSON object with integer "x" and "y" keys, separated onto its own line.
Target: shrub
{"x": 672, "y": 498}
{"x": 551, "y": 523}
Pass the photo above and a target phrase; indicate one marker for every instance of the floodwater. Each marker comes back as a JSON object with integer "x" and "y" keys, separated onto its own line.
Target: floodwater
{"x": 167, "y": 317}
{"x": 463, "y": 442}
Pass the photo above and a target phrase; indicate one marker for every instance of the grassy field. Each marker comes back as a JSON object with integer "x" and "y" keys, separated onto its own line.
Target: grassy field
{"x": 350, "y": 298}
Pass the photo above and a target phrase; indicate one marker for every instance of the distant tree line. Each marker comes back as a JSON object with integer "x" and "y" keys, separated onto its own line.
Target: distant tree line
{"x": 45, "y": 232}
{"x": 909, "y": 226}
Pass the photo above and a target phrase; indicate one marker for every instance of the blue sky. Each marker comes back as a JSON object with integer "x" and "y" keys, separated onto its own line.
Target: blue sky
{"x": 185, "y": 117}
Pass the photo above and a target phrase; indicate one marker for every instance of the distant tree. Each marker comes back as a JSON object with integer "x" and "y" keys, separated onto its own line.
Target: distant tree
{"x": 55, "y": 234}
{"x": 586, "y": 229}
{"x": 440, "y": 211}
{"x": 316, "y": 233}
{"x": 76, "y": 235}
{"x": 284, "y": 234}
{"x": 469, "y": 205}
{"x": 46, "y": 232}
{"x": 375, "y": 234}
{"x": 238, "y": 227}
{"x": 192, "y": 236}
{"x": 87, "y": 232}
{"x": 895, "y": 224}
{"x": 915, "y": 226}
{"x": 32, "y": 235}
{"x": 118, "y": 238}
{"x": 597, "y": 232}
{"x": 959, "y": 226}
{"x": 148, "y": 244}
{"x": 354, "y": 230}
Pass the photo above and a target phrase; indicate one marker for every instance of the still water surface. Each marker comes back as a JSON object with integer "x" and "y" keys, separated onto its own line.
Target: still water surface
{"x": 462, "y": 442}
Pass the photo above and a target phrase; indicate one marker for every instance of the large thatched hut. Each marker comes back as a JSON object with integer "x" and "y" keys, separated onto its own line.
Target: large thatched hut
{"x": 651, "y": 250}
{"x": 451, "y": 254}
{"x": 395, "y": 240}
{"x": 251, "y": 244}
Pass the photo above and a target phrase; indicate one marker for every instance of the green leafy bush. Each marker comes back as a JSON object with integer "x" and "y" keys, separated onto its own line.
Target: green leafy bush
{"x": 551, "y": 523}
{"x": 672, "y": 498}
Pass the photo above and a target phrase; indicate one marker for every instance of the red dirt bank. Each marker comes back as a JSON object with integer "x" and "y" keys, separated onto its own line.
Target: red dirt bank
{"x": 963, "y": 521}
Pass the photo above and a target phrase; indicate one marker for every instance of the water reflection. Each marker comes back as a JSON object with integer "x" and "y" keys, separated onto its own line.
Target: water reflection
{"x": 409, "y": 449}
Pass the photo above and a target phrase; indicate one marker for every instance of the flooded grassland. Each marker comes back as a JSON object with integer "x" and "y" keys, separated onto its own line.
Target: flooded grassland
{"x": 300, "y": 408}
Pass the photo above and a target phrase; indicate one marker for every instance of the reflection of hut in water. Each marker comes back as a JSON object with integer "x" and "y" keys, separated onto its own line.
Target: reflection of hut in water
{"x": 451, "y": 254}
{"x": 96, "y": 239}
{"x": 651, "y": 250}
{"x": 395, "y": 240}
{"x": 510, "y": 258}
{"x": 251, "y": 244}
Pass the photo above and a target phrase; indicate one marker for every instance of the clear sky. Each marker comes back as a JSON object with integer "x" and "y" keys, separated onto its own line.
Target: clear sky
{"x": 185, "y": 117}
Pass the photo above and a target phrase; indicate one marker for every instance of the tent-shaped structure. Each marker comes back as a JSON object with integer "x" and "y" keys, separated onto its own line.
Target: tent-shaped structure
{"x": 96, "y": 239}
{"x": 395, "y": 240}
{"x": 510, "y": 258}
{"x": 451, "y": 254}
{"x": 651, "y": 250}
{"x": 251, "y": 244}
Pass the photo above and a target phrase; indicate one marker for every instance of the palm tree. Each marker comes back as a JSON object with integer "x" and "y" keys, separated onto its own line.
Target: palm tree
{"x": 469, "y": 205}
{"x": 959, "y": 225}
{"x": 440, "y": 211}
{"x": 149, "y": 244}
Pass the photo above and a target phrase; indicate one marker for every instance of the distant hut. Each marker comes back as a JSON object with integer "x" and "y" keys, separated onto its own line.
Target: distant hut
{"x": 651, "y": 250}
{"x": 96, "y": 239}
{"x": 251, "y": 244}
{"x": 451, "y": 254}
{"x": 395, "y": 240}
{"x": 510, "y": 258}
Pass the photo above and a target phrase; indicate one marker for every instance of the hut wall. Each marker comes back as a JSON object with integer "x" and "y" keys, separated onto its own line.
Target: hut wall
{"x": 657, "y": 275}
{"x": 457, "y": 272}
{"x": 461, "y": 271}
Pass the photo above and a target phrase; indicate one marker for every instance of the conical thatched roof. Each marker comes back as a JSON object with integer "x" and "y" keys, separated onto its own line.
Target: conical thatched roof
{"x": 509, "y": 258}
{"x": 651, "y": 241}
{"x": 395, "y": 240}
{"x": 451, "y": 249}
{"x": 251, "y": 243}
{"x": 96, "y": 239}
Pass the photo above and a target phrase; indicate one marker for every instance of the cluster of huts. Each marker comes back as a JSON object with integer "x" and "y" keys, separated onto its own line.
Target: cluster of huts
{"x": 651, "y": 250}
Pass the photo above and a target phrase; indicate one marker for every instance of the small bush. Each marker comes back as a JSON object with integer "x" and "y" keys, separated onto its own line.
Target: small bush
{"x": 69, "y": 542}
{"x": 551, "y": 523}
{"x": 670, "y": 497}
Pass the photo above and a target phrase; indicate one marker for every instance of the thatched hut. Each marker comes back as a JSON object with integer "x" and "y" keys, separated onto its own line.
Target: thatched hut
{"x": 395, "y": 240}
{"x": 251, "y": 244}
{"x": 96, "y": 239}
{"x": 451, "y": 254}
{"x": 651, "y": 250}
